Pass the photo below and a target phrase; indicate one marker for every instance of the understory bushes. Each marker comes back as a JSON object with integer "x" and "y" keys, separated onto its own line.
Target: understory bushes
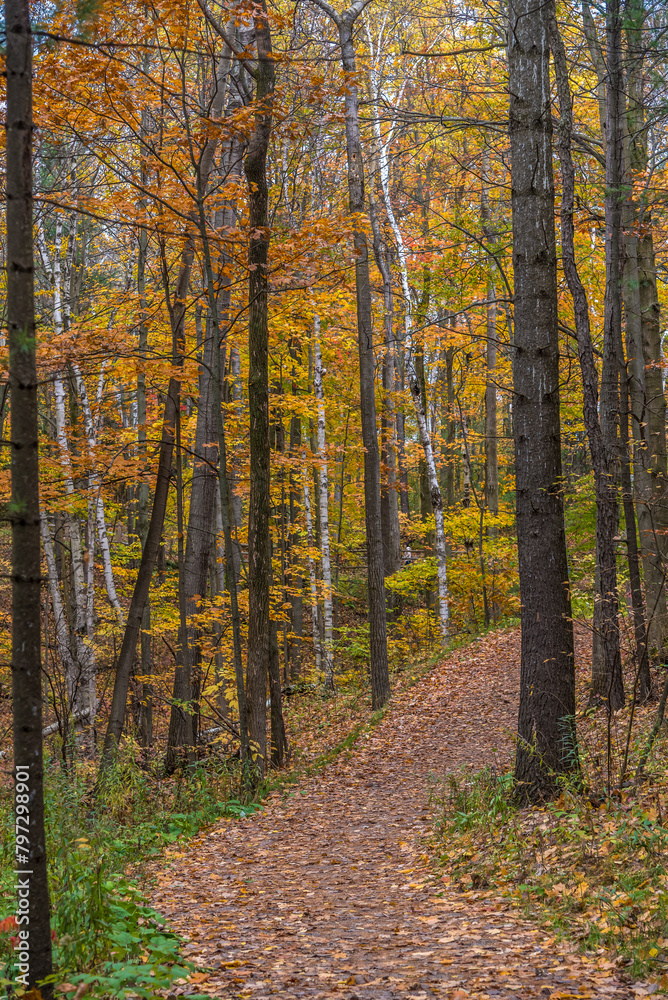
{"x": 106, "y": 939}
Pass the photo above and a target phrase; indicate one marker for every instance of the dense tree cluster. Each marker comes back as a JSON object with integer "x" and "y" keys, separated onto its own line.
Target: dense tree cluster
{"x": 320, "y": 380}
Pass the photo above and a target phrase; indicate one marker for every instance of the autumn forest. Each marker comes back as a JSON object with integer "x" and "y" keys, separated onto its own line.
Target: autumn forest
{"x": 333, "y": 403}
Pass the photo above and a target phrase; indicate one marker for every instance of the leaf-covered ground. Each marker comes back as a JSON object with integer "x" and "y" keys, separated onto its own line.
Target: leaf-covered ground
{"x": 332, "y": 889}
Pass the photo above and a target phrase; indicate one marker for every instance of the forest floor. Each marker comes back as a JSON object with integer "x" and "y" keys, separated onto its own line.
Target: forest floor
{"x": 333, "y": 889}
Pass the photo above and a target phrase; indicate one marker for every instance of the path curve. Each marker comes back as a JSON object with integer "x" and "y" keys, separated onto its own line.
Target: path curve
{"x": 330, "y": 892}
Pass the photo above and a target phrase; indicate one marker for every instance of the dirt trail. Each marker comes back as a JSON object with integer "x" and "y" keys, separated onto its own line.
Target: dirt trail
{"x": 329, "y": 892}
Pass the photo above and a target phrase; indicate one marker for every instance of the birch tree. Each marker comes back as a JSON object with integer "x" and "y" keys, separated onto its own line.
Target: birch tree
{"x": 323, "y": 481}
{"x": 409, "y": 362}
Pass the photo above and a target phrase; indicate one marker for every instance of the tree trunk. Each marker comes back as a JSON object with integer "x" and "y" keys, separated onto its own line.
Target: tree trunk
{"x": 608, "y": 688}
{"x": 198, "y": 543}
{"x": 606, "y": 666}
{"x": 315, "y": 618}
{"x": 146, "y": 665}
{"x": 491, "y": 449}
{"x": 651, "y": 478}
{"x": 389, "y": 508}
{"x": 94, "y": 487}
{"x": 259, "y": 559}
{"x": 414, "y": 364}
{"x": 380, "y": 677}
{"x": 296, "y": 580}
{"x": 153, "y": 536}
{"x": 328, "y": 644}
{"x": 546, "y": 724}
{"x": 34, "y": 955}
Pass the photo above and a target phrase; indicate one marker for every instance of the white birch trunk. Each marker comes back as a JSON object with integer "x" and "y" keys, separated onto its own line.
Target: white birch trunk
{"x": 311, "y": 569}
{"x": 90, "y": 604}
{"x": 412, "y": 379}
{"x": 84, "y": 658}
{"x": 323, "y": 481}
{"x": 59, "y": 616}
{"x": 94, "y": 486}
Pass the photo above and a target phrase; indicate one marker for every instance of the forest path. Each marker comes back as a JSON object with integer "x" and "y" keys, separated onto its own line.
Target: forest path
{"x": 329, "y": 892}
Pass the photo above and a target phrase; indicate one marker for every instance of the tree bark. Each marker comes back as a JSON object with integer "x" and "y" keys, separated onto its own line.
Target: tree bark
{"x": 323, "y": 491}
{"x": 606, "y": 669}
{"x": 153, "y": 536}
{"x": 414, "y": 365}
{"x": 380, "y": 676}
{"x": 198, "y": 545}
{"x": 608, "y": 688}
{"x": 648, "y": 400}
{"x": 389, "y": 508}
{"x": 259, "y": 559}
{"x": 296, "y": 579}
{"x": 31, "y": 870}
{"x": 546, "y": 723}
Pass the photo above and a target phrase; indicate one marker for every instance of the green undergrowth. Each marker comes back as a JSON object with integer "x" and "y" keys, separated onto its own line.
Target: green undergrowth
{"x": 593, "y": 868}
{"x": 105, "y": 935}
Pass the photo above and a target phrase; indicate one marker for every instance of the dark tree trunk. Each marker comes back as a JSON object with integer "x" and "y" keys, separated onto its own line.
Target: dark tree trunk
{"x": 146, "y": 668}
{"x": 491, "y": 449}
{"x": 380, "y": 677}
{"x": 448, "y": 419}
{"x": 279, "y": 741}
{"x": 608, "y": 686}
{"x": 197, "y": 553}
{"x": 154, "y": 533}
{"x": 649, "y": 401}
{"x": 296, "y": 580}
{"x": 389, "y": 508}
{"x": 546, "y": 725}
{"x": 34, "y": 956}
{"x": 606, "y": 668}
{"x": 259, "y": 559}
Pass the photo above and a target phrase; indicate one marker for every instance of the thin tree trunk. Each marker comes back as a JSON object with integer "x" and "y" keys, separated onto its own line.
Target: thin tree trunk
{"x": 609, "y": 688}
{"x": 328, "y": 644}
{"x": 154, "y": 533}
{"x": 95, "y": 486}
{"x": 146, "y": 666}
{"x": 296, "y": 580}
{"x": 315, "y": 621}
{"x": 199, "y": 540}
{"x": 380, "y": 677}
{"x": 491, "y": 449}
{"x": 181, "y": 736}
{"x": 389, "y": 508}
{"x": 650, "y": 468}
{"x": 417, "y": 390}
{"x": 606, "y": 670}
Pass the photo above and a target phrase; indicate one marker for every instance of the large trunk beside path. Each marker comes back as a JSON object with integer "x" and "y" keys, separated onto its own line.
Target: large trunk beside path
{"x": 546, "y": 744}
{"x": 259, "y": 556}
{"x": 30, "y": 863}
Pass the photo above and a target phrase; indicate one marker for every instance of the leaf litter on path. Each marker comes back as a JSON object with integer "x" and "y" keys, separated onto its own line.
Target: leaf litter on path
{"x": 331, "y": 890}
